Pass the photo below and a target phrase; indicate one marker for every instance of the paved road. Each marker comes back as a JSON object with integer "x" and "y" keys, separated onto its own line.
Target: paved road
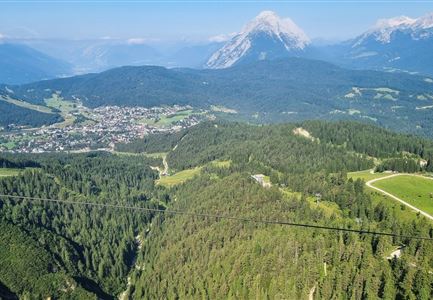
{"x": 369, "y": 184}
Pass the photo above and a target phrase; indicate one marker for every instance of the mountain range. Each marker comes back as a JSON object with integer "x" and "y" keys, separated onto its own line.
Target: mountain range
{"x": 398, "y": 44}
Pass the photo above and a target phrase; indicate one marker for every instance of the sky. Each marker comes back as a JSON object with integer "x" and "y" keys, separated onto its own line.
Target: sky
{"x": 190, "y": 20}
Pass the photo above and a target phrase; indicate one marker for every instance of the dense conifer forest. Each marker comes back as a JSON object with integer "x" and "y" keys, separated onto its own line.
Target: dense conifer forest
{"x": 101, "y": 252}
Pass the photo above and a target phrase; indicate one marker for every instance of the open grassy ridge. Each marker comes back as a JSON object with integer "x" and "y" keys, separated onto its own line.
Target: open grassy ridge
{"x": 416, "y": 190}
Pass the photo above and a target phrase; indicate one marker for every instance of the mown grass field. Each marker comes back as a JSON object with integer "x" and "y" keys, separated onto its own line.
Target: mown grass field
{"x": 366, "y": 175}
{"x": 179, "y": 177}
{"x": 415, "y": 190}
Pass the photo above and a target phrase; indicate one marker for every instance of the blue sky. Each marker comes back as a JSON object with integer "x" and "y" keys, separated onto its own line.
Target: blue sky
{"x": 193, "y": 20}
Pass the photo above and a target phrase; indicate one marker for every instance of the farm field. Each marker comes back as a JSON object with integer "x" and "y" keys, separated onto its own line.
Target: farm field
{"x": 415, "y": 190}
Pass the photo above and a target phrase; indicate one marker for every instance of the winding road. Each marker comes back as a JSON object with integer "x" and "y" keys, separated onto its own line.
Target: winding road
{"x": 370, "y": 185}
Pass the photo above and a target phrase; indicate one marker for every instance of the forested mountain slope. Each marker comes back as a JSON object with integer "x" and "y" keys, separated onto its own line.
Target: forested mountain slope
{"x": 196, "y": 257}
{"x": 93, "y": 247}
{"x": 264, "y": 91}
{"x": 187, "y": 256}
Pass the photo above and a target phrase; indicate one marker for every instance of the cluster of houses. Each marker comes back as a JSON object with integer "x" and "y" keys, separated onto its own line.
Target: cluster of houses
{"x": 102, "y": 127}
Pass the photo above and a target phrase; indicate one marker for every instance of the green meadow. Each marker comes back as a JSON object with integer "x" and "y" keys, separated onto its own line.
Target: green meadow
{"x": 415, "y": 190}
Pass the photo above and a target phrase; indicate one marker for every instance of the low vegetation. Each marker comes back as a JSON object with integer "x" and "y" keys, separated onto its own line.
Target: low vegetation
{"x": 9, "y": 172}
{"x": 179, "y": 177}
{"x": 415, "y": 190}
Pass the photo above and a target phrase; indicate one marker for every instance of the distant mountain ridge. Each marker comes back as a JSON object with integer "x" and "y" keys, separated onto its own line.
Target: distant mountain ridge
{"x": 22, "y": 64}
{"x": 288, "y": 89}
{"x": 396, "y": 44}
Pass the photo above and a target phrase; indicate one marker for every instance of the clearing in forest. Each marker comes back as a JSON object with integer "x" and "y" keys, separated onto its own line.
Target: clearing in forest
{"x": 415, "y": 190}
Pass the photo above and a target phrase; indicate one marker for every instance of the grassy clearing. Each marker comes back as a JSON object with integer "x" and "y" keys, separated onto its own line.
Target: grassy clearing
{"x": 221, "y": 163}
{"x": 28, "y": 105}
{"x": 156, "y": 155}
{"x": 366, "y": 175}
{"x": 400, "y": 211}
{"x": 65, "y": 108}
{"x": 57, "y": 102}
{"x": 4, "y": 172}
{"x": 178, "y": 116}
{"x": 179, "y": 177}
{"x": 223, "y": 109}
{"x": 327, "y": 207}
{"x": 167, "y": 120}
{"x": 10, "y": 145}
{"x": 415, "y": 190}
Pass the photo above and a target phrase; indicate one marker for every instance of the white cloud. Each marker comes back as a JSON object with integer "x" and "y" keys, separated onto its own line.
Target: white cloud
{"x": 222, "y": 37}
{"x": 136, "y": 41}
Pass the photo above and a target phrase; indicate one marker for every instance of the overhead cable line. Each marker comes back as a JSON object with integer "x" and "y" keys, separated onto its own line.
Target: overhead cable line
{"x": 216, "y": 216}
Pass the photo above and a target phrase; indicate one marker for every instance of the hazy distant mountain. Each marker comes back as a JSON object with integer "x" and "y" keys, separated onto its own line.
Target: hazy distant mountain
{"x": 132, "y": 53}
{"x": 399, "y": 43}
{"x": 265, "y": 37}
{"x": 22, "y": 64}
{"x": 102, "y": 54}
{"x": 193, "y": 56}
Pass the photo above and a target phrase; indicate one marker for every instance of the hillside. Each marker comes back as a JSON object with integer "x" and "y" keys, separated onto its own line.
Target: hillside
{"x": 22, "y": 114}
{"x": 217, "y": 258}
{"x": 268, "y": 91}
{"x": 185, "y": 256}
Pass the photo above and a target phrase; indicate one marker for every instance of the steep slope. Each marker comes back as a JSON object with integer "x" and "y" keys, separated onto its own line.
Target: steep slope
{"x": 265, "y": 37}
{"x": 183, "y": 256}
{"x": 21, "y": 64}
{"x": 29, "y": 269}
{"x": 400, "y": 43}
{"x": 20, "y": 115}
{"x": 42, "y": 244}
{"x": 187, "y": 256}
